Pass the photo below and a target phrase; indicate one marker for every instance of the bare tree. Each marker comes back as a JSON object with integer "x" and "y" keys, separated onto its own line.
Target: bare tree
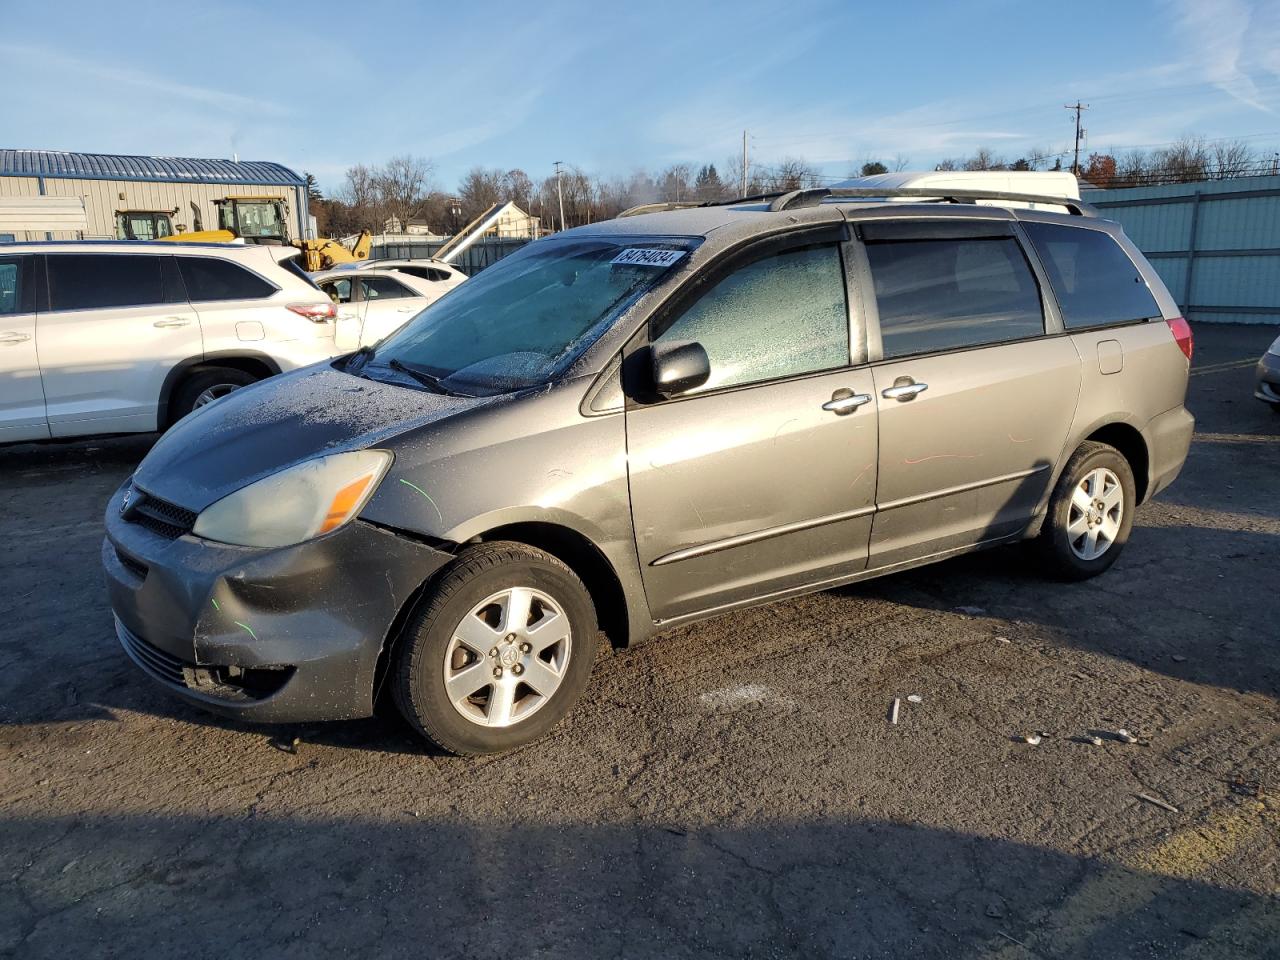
{"x": 900, "y": 162}
{"x": 1232, "y": 158}
{"x": 791, "y": 173}
{"x": 403, "y": 184}
{"x": 985, "y": 159}
{"x": 519, "y": 188}
{"x": 1184, "y": 160}
{"x": 675, "y": 184}
{"x": 480, "y": 189}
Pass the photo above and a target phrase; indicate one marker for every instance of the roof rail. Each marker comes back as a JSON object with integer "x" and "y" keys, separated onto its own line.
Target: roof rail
{"x": 811, "y": 198}
{"x": 662, "y": 206}
{"x": 659, "y": 207}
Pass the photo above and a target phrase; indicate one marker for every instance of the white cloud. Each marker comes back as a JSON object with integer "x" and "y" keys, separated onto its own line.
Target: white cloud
{"x": 1231, "y": 42}
{"x": 91, "y": 78}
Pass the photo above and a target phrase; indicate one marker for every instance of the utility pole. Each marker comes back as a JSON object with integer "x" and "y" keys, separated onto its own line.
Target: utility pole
{"x": 744, "y": 164}
{"x": 1078, "y": 107}
{"x": 560, "y": 192}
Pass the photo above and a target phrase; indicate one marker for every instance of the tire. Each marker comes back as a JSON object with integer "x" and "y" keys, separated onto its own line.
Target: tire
{"x": 1069, "y": 547}
{"x": 194, "y": 389}
{"x": 444, "y": 681}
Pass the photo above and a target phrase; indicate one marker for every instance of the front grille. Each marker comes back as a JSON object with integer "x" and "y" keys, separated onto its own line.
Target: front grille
{"x": 160, "y": 516}
{"x": 163, "y": 666}
{"x": 233, "y": 684}
{"x": 136, "y": 567}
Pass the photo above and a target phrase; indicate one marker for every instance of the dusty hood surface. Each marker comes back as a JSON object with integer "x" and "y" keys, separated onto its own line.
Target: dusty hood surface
{"x": 274, "y": 424}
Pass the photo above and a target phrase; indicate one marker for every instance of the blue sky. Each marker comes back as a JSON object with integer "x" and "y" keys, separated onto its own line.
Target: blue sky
{"x": 611, "y": 87}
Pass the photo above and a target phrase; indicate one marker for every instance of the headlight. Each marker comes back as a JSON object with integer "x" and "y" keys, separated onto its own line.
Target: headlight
{"x": 296, "y": 504}
{"x": 1275, "y": 347}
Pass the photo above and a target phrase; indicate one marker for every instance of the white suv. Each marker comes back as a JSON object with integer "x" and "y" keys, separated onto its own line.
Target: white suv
{"x": 122, "y": 337}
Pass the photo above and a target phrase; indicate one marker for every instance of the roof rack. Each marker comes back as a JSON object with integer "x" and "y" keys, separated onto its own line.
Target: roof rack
{"x": 662, "y": 206}
{"x": 811, "y": 198}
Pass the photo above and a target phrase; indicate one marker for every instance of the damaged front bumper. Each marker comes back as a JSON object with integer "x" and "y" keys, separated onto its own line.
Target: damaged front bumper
{"x": 290, "y": 634}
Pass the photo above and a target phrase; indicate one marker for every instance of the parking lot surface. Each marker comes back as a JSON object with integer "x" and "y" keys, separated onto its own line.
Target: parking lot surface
{"x": 729, "y": 789}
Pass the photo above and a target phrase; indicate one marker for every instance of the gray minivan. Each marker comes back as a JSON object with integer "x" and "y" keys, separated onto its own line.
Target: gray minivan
{"x": 640, "y": 423}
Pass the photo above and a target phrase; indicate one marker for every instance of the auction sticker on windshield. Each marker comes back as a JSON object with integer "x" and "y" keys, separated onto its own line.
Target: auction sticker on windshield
{"x": 643, "y": 257}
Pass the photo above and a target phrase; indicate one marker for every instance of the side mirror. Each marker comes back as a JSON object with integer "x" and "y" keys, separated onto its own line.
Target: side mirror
{"x": 679, "y": 366}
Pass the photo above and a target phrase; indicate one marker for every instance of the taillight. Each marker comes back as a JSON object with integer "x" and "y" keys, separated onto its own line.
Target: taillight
{"x": 315, "y": 312}
{"x": 1182, "y": 334}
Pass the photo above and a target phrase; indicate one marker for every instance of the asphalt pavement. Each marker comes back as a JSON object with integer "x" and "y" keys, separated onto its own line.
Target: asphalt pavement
{"x": 729, "y": 789}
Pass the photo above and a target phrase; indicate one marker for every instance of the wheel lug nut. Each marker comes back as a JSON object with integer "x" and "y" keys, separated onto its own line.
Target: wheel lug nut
{"x": 510, "y": 637}
{"x": 525, "y": 648}
{"x": 517, "y": 669}
{"x": 493, "y": 652}
{"x": 497, "y": 672}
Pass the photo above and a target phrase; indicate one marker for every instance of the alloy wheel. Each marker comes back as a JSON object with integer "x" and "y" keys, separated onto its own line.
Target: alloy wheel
{"x": 507, "y": 657}
{"x": 213, "y": 393}
{"x": 1097, "y": 509}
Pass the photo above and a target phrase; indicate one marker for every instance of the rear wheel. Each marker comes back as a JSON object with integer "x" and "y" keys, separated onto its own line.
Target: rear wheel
{"x": 206, "y": 385}
{"x": 498, "y": 652}
{"x": 1090, "y": 513}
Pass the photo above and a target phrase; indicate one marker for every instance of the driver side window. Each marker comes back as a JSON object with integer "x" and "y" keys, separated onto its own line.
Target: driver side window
{"x": 780, "y": 316}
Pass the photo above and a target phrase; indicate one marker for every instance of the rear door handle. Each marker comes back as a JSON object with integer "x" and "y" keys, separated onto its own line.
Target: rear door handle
{"x": 404, "y": 309}
{"x": 903, "y": 389}
{"x": 12, "y": 336}
{"x": 844, "y": 401}
{"x": 168, "y": 322}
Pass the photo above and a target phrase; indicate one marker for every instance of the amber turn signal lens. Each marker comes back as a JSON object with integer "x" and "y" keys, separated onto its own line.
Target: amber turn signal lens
{"x": 346, "y": 500}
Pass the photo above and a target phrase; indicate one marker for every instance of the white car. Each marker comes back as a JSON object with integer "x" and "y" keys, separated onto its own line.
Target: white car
{"x": 445, "y": 276}
{"x": 373, "y": 304}
{"x": 101, "y": 337}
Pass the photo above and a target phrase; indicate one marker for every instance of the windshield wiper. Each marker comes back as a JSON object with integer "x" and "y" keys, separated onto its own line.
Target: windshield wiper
{"x": 431, "y": 381}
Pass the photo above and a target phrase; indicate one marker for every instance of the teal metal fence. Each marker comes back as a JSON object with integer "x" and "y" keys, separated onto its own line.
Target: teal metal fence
{"x": 1215, "y": 243}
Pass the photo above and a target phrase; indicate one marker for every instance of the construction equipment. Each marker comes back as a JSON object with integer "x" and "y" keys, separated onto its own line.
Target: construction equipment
{"x": 318, "y": 254}
{"x": 256, "y": 219}
{"x": 324, "y": 253}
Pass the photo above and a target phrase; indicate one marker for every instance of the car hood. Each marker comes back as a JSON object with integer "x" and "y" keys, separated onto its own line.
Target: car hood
{"x": 281, "y": 421}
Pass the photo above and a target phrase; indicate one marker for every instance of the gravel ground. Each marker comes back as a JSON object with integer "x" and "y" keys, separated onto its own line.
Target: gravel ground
{"x": 728, "y": 789}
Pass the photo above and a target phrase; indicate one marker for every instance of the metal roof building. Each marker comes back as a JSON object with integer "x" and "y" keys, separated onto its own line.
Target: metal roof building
{"x": 129, "y": 192}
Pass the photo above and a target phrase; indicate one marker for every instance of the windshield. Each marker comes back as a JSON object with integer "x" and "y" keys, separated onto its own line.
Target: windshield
{"x": 525, "y": 319}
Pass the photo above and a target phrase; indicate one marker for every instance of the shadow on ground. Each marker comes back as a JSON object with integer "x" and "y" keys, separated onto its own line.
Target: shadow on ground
{"x": 151, "y": 886}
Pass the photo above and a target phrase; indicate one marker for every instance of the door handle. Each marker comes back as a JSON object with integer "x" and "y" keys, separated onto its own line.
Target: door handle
{"x": 404, "y": 309}
{"x": 903, "y": 389}
{"x": 168, "y": 322}
{"x": 11, "y": 336}
{"x": 844, "y": 401}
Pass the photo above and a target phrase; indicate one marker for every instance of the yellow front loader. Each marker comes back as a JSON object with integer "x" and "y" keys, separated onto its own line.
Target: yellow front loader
{"x": 316, "y": 254}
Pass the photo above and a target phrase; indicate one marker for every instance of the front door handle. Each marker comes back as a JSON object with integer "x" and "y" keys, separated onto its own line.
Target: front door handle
{"x": 903, "y": 389}
{"x": 12, "y": 336}
{"x": 404, "y": 309}
{"x": 844, "y": 401}
{"x": 168, "y": 322}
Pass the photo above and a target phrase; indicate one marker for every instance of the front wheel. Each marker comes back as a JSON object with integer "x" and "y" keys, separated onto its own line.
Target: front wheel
{"x": 207, "y": 385}
{"x": 497, "y": 652}
{"x": 1090, "y": 513}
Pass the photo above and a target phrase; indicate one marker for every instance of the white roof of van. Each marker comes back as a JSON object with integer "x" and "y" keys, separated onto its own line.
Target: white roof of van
{"x": 1049, "y": 183}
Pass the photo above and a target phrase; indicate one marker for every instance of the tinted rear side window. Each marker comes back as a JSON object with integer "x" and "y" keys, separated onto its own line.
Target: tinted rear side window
{"x": 384, "y": 288}
{"x": 87, "y": 281}
{"x": 208, "y": 278}
{"x": 946, "y": 294}
{"x": 1095, "y": 281}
